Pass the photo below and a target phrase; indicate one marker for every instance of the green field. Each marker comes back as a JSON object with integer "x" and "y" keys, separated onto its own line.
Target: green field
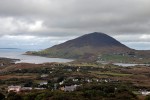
{"x": 110, "y": 73}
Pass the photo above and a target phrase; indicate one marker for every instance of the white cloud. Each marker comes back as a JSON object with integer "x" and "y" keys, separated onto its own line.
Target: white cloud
{"x": 30, "y": 42}
{"x": 138, "y": 45}
{"x": 145, "y": 37}
{"x": 37, "y": 26}
{"x": 133, "y": 38}
{"x": 11, "y": 26}
{"x": 126, "y": 20}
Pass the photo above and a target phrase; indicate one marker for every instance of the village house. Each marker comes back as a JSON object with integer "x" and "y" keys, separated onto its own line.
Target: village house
{"x": 26, "y": 88}
{"x": 14, "y": 88}
{"x": 60, "y": 83}
{"x": 78, "y": 69}
{"x": 145, "y": 93}
{"x": 1, "y": 64}
{"x": 19, "y": 88}
{"x": 88, "y": 80}
{"x": 43, "y": 83}
{"x": 69, "y": 88}
{"x": 75, "y": 80}
{"x": 69, "y": 70}
{"x": 39, "y": 88}
{"x": 50, "y": 72}
{"x": 44, "y": 75}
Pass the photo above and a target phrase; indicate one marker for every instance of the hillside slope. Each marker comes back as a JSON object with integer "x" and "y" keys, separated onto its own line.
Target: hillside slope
{"x": 84, "y": 47}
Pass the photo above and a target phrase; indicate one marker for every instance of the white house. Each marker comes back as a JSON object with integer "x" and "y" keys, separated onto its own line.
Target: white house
{"x": 39, "y": 88}
{"x": 44, "y": 75}
{"x": 145, "y": 92}
{"x": 60, "y": 83}
{"x": 69, "y": 88}
{"x": 1, "y": 64}
{"x": 26, "y": 88}
{"x": 75, "y": 80}
{"x": 43, "y": 83}
{"x": 14, "y": 88}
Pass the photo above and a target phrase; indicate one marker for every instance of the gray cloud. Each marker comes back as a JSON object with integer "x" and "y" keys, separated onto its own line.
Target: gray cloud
{"x": 72, "y": 18}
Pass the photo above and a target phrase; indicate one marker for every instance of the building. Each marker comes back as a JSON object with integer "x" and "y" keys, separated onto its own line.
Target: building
{"x": 26, "y": 88}
{"x": 75, "y": 80}
{"x": 69, "y": 88}
{"x": 145, "y": 93}
{"x": 60, "y": 83}
{"x": 14, "y": 88}
{"x": 44, "y": 75}
{"x": 1, "y": 64}
{"x": 39, "y": 88}
{"x": 43, "y": 83}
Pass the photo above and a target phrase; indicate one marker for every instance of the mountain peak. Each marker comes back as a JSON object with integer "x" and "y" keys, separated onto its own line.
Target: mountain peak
{"x": 94, "y": 33}
{"x": 95, "y": 39}
{"x": 87, "y": 45}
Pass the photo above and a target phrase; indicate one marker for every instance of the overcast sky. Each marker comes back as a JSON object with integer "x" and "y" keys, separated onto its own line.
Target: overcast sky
{"x": 38, "y": 24}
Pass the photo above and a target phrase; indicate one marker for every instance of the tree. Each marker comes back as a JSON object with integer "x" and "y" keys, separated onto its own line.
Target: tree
{"x": 2, "y": 96}
{"x": 147, "y": 97}
{"x": 14, "y": 96}
{"x": 30, "y": 96}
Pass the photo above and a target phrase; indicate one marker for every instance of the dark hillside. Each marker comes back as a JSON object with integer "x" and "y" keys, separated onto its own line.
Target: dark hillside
{"x": 85, "y": 46}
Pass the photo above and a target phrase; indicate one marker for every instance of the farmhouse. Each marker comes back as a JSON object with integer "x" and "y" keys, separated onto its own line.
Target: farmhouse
{"x": 145, "y": 92}
{"x": 26, "y": 88}
{"x": 69, "y": 88}
{"x": 14, "y": 88}
{"x": 44, "y": 75}
{"x": 43, "y": 83}
{"x": 1, "y": 64}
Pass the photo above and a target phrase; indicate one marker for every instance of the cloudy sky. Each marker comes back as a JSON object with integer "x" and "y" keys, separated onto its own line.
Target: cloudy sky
{"x": 38, "y": 24}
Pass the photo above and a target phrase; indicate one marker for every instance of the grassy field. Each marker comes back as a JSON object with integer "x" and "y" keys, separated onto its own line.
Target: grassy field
{"x": 110, "y": 73}
{"x": 124, "y": 58}
{"x": 19, "y": 76}
{"x": 115, "y": 58}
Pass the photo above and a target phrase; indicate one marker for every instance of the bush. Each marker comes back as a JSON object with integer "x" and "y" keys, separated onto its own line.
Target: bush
{"x": 14, "y": 96}
{"x": 147, "y": 97}
{"x": 2, "y": 96}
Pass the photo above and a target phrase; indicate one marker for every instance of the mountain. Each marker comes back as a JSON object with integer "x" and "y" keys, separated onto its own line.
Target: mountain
{"x": 84, "y": 47}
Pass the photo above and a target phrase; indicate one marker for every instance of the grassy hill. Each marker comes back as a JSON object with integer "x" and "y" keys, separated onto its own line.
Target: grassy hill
{"x": 86, "y": 45}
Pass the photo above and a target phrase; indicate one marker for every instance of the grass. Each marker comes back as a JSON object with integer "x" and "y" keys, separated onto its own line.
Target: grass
{"x": 118, "y": 58}
{"x": 86, "y": 65}
{"x": 27, "y": 76}
{"x": 110, "y": 73}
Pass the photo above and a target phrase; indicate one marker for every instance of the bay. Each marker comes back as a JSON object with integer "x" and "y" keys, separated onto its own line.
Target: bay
{"x": 18, "y": 54}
